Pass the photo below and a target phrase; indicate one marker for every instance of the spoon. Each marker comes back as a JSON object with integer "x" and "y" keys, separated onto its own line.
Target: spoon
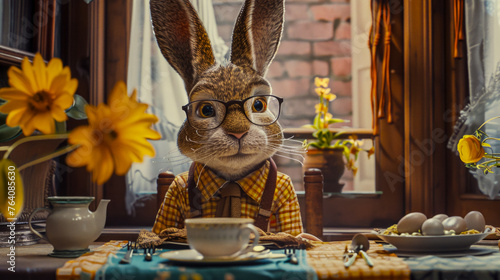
{"x": 361, "y": 245}
{"x": 261, "y": 250}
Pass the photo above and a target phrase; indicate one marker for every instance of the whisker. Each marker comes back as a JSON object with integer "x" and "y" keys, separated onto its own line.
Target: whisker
{"x": 290, "y": 152}
{"x": 287, "y": 146}
{"x": 287, "y": 157}
{"x": 173, "y": 151}
{"x": 291, "y": 149}
{"x": 198, "y": 133}
{"x": 293, "y": 140}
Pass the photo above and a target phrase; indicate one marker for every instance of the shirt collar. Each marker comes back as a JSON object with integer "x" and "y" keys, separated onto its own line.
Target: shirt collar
{"x": 253, "y": 184}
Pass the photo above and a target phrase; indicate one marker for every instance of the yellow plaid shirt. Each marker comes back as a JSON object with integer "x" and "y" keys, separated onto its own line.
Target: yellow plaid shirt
{"x": 285, "y": 207}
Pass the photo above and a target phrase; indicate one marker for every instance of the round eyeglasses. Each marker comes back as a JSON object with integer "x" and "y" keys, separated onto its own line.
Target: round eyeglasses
{"x": 209, "y": 114}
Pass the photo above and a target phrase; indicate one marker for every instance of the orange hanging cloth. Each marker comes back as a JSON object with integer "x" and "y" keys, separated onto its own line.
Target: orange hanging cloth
{"x": 384, "y": 109}
{"x": 458, "y": 18}
{"x": 373, "y": 41}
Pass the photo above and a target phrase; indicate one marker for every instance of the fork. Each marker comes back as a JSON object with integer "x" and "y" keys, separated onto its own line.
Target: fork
{"x": 130, "y": 251}
{"x": 290, "y": 253}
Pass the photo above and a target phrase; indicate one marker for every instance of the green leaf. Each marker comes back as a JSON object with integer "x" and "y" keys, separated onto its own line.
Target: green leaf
{"x": 316, "y": 122}
{"x": 77, "y": 111}
{"x": 346, "y": 152}
{"x": 6, "y": 132}
{"x": 308, "y": 126}
{"x": 61, "y": 127}
{"x": 330, "y": 121}
{"x": 316, "y": 134}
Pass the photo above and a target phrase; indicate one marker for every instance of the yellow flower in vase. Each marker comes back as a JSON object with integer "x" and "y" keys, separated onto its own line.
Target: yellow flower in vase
{"x": 325, "y": 138}
{"x": 330, "y": 97}
{"x": 117, "y": 136}
{"x": 321, "y": 82}
{"x": 320, "y": 108}
{"x": 38, "y": 95}
{"x": 327, "y": 118}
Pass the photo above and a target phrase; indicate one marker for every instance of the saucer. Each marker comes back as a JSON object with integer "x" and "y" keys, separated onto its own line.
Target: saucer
{"x": 191, "y": 256}
{"x": 185, "y": 245}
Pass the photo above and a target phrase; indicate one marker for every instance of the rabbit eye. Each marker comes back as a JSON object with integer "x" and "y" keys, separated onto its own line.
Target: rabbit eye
{"x": 206, "y": 110}
{"x": 259, "y": 105}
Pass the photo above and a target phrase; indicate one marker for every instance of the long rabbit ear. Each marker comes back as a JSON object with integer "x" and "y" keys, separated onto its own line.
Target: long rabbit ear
{"x": 182, "y": 38}
{"x": 257, "y": 34}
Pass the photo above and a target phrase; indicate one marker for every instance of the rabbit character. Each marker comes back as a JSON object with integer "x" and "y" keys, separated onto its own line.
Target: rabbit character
{"x": 231, "y": 130}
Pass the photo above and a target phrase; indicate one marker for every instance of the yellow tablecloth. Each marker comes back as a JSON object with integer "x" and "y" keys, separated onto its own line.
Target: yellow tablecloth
{"x": 326, "y": 260}
{"x": 85, "y": 266}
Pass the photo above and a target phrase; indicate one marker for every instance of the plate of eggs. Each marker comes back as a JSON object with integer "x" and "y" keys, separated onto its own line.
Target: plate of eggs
{"x": 415, "y": 232}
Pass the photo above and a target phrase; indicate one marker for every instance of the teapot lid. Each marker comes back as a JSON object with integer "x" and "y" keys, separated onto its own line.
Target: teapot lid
{"x": 71, "y": 199}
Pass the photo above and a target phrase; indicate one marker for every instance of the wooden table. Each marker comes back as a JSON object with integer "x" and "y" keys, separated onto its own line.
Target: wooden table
{"x": 32, "y": 262}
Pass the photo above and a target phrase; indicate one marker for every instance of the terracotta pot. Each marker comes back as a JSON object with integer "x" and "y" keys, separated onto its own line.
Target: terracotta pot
{"x": 331, "y": 163}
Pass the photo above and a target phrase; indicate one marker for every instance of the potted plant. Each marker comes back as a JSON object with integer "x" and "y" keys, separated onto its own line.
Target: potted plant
{"x": 328, "y": 152}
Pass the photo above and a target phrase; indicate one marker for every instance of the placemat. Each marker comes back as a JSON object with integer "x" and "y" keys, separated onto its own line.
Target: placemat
{"x": 326, "y": 258}
{"x": 160, "y": 268}
{"x": 85, "y": 266}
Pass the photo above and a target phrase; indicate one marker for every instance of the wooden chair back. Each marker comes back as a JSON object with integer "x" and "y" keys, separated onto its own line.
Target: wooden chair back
{"x": 313, "y": 186}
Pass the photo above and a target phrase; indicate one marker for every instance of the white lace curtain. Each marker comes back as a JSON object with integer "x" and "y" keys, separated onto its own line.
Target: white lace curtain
{"x": 482, "y": 27}
{"x": 161, "y": 87}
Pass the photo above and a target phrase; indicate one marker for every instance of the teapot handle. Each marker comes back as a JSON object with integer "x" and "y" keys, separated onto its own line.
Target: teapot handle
{"x": 31, "y": 227}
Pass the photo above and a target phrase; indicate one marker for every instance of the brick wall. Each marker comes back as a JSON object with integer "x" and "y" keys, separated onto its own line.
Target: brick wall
{"x": 316, "y": 42}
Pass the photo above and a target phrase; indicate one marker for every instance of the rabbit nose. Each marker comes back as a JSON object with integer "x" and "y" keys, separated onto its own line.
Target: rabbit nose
{"x": 237, "y": 135}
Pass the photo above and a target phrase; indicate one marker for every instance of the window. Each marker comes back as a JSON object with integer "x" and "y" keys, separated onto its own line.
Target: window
{"x": 319, "y": 40}
{"x": 427, "y": 85}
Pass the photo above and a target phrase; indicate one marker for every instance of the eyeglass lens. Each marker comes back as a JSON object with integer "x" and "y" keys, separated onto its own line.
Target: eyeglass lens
{"x": 209, "y": 114}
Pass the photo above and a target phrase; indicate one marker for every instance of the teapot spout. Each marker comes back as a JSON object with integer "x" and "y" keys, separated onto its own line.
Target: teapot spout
{"x": 100, "y": 217}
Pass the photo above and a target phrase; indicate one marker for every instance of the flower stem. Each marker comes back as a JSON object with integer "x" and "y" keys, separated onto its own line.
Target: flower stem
{"x": 487, "y": 122}
{"x": 33, "y": 138}
{"x": 493, "y": 156}
{"x": 491, "y": 138}
{"x": 57, "y": 153}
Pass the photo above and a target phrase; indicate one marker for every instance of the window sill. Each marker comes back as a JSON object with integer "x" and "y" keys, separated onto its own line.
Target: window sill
{"x": 306, "y": 133}
{"x": 347, "y": 194}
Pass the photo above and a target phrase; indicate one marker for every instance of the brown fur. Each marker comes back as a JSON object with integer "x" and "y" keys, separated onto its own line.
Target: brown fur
{"x": 186, "y": 46}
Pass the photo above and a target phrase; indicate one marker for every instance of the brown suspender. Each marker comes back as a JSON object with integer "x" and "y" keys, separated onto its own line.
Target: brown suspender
{"x": 194, "y": 195}
{"x": 262, "y": 219}
{"x": 266, "y": 202}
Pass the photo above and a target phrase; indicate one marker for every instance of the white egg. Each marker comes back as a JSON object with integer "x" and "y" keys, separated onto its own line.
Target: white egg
{"x": 455, "y": 223}
{"x": 432, "y": 226}
{"x": 475, "y": 220}
{"x": 411, "y": 223}
{"x": 440, "y": 217}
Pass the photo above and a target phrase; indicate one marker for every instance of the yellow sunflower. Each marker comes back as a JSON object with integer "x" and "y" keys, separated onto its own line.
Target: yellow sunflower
{"x": 115, "y": 137}
{"x": 38, "y": 95}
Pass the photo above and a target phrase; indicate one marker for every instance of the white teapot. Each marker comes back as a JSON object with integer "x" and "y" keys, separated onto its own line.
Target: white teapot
{"x": 70, "y": 226}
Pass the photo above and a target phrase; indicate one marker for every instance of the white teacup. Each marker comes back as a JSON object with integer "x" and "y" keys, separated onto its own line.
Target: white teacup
{"x": 220, "y": 237}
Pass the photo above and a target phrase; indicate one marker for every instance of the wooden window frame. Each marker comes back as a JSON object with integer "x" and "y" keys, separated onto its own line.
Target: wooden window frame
{"x": 436, "y": 89}
{"x": 44, "y": 36}
{"x": 96, "y": 45}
